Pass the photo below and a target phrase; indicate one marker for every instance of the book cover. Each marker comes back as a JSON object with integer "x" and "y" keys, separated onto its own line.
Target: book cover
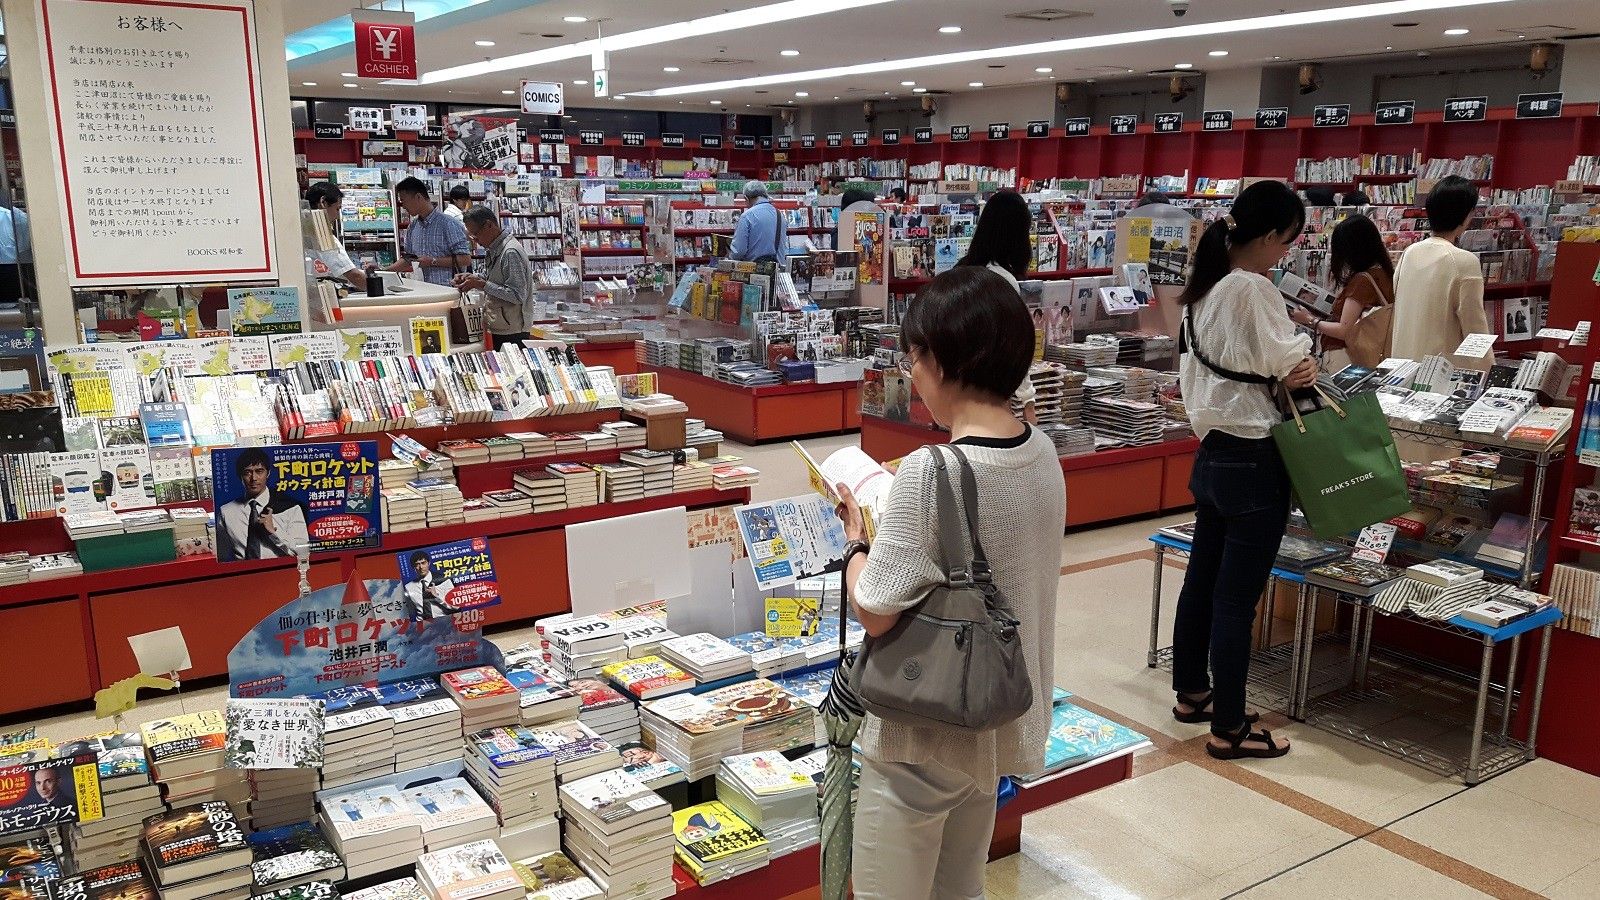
{"x": 192, "y": 832}
{"x": 190, "y": 734}
{"x": 571, "y": 740}
{"x": 366, "y": 812}
{"x": 77, "y": 482}
{"x": 258, "y": 311}
{"x": 472, "y": 870}
{"x": 555, "y": 877}
{"x": 703, "y": 650}
{"x": 118, "y": 881}
{"x": 410, "y": 690}
{"x": 508, "y": 746}
{"x": 648, "y": 765}
{"x": 535, "y": 688}
{"x": 399, "y": 889}
{"x": 442, "y": 804}
{"x": 322, "y": 889}
{"x": 119, "y": 755}
{"x": 45, "y": 792}
{"x": 708, "y": 832}
{"x": 429, "y": 334}
{"x": 766, "y": 773}
{"x": 1077, "y": 736}
{"x": 613, "y": 797}
{"x": 478, "y": 683}
{"x": 274, "y": 734}
{"x": 446, "y": 579}
{"x": 646, "y": 676}
{"x": 290, "y": 852}
{"x": 131, "y": 485}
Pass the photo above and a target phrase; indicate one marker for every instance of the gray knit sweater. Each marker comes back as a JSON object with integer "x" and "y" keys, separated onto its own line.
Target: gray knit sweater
{"x": 1021, "y": 514}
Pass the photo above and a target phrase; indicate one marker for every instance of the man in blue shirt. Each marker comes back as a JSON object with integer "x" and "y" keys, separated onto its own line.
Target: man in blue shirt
{"x": 16, "y": 255}
{"x": 436, "y": 242}
{"x": 762, "y": 234}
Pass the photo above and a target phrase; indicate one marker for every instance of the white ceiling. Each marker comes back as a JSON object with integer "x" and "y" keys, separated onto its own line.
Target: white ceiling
{"x": 890, "y": 31}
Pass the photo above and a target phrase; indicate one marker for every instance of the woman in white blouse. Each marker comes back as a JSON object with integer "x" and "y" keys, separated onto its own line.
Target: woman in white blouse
{"x": 1240, "y": 347}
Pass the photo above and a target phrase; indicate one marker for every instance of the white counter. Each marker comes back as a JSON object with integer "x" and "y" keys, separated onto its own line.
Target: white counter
{"x": 413, "y": 298}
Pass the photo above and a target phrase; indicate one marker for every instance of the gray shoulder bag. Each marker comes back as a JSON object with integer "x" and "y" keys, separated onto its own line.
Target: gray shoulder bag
{"x": 955, "y": 658}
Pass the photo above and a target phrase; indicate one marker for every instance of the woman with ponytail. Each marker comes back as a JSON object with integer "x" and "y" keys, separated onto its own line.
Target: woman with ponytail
{"x": 1239, "y": 348}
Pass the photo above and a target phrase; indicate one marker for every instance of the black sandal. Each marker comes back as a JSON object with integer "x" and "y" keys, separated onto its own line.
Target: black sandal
{"x": 1200, "y": 715}
{"x": 1235, "y": 750}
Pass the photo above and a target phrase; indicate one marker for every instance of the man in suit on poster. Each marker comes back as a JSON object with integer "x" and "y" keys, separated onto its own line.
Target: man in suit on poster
{"x": 262, "y": 524}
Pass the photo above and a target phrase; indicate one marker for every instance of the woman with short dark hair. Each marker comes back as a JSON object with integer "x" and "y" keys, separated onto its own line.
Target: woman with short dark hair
{"x": 927, "y": 791}
{"x": 1003, "y": 243}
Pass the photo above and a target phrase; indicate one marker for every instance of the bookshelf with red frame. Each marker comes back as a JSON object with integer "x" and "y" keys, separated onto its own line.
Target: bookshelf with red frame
{"x": 1568, "y": 730}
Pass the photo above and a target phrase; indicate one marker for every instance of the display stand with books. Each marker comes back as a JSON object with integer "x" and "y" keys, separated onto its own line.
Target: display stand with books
{"x": 1106, "y": 485}
{"x": 768, "y": 413}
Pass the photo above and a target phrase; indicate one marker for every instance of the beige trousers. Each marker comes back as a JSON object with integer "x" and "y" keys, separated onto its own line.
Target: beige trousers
{"x": 921, "y": 832}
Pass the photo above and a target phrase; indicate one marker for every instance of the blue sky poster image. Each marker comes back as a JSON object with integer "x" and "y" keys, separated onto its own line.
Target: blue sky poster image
{"x": 272, "y": 500}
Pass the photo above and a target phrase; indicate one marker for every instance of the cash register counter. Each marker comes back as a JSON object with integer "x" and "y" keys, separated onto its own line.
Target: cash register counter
{"x": 412, "y": 297}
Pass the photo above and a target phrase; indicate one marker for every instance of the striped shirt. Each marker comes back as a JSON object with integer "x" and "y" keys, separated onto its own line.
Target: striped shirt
{"x": 438, "y": 236}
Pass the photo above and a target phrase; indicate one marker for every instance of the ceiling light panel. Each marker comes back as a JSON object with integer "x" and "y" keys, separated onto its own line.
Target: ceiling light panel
{"x": 1191, "y": 30}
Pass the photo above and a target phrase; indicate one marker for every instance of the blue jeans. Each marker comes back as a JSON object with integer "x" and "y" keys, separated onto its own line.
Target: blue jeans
{"x": 1241, "y": 493}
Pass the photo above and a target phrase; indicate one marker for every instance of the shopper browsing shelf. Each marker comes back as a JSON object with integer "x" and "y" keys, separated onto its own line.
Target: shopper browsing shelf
{"x": 1438, "y": 286}
{"x": 326, "y": 196}
{"x": 506, "y": 281}
{"x": 761, "y": 234}
{"x": 927, "y": 792}
{"x": 434, "y": 241}
{"x": 1240, "y": 347}
{"x": 457, "y": 202}
{"x": 1003, "y": 244}
{"x": 1364, "y": 277}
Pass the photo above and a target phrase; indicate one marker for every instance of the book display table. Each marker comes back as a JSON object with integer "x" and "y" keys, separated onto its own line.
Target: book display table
{"x": 1111, "y": 484}
{"x": 769, "y": 413}
{"x": 1412, "y": 708}
{"x": 619, "y": 355}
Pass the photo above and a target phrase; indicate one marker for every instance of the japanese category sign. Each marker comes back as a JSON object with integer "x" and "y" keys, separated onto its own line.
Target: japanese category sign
{"x": 272, "y": 500}
{"x": 157, "y": 130}
{"x": 1395, "y": 112}
{"x": 408, "y": 116}
{"x": 348, "y": 634}
{"x": 49, "y": 792}
{"x": 446, "y": 579}
{"x": 386, "y": 43}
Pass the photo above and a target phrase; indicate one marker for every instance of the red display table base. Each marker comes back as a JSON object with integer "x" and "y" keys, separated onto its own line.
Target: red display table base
{"x": 757, "y": 415}
{"x": 619, "y": 355}
{"x": 1113, "y": 484}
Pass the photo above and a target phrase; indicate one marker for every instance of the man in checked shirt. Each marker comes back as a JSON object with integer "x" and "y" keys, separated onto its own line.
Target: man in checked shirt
{"x": 434, "y": 241}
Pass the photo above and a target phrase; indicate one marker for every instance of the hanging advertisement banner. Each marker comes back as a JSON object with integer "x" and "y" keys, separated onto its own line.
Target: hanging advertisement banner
{"x": 408, "y": 116}
{"x": 199, "y": 133}
{"x": 386, "y": 43}
{"x": 543, "y": 98}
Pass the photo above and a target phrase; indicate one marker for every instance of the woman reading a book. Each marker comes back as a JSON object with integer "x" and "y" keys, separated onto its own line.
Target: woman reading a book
{"x": 1364, "y": 277}
{"x": 1003, "y": 244}
{"x": 927, "y": 792}
{"x": 1239, "y": 348}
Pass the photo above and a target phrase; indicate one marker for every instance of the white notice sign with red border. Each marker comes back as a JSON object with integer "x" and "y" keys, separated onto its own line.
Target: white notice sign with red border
{"x": 156, "y": 128}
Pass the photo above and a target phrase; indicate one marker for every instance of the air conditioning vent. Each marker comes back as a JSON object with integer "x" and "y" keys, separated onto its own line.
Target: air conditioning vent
{"x": 724, "y": 61}
{"x": 1540, "y": 31}
{"x": 1049, "y": 14}
{"x": 1181, "y": 73}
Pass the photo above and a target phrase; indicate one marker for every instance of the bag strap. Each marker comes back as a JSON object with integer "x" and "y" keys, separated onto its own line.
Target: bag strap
{"x": 1188, "y": 344}
{"x": 1376, "y": 289}
{"x": 955, "y": 550}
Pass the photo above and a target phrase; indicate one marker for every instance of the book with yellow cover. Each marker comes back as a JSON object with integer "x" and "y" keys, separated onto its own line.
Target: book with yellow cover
{"x": 647, "y": 677}
{"x": 429, "y": 334}
{"x": 714, "y": 843}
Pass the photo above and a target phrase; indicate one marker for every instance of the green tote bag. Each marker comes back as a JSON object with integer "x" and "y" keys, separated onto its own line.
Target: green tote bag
{"x": 1343, "y": 465}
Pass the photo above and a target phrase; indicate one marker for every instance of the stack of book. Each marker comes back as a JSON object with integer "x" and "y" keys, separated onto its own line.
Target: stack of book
{"x": 54, "y": 565}
{"x": 692, "y": 732}
{"x": 568, "y": 443}
{"x": 1298, "y": 554}
{"x": 197, "y": 851}
{"x": 769, "y": 655}
{"x": 471, "y": 871}
{"x": 373, "y": 829}
{"x": 1070, "y": 440}
{"x": 516, "y": 774}
{"x": 426, "y": 732}
{"x": 596, "y": 441}
{"x": 656, "y": 466}
{"x": 91, "y": 524}
{"x": 650, "y": 767}
{"x": 509, "y": 502}
{"x": 403, "y": 510}
{"x": 581, "y": 647}
{"x": 1356, "y": 577}
{"x": 715, "y": 844}
{"x": 628, "y": 434}
{"x": 191, "y": 531}
{"x": 485, "y": 696}
{"x": 579, "y": 752}
{"x": 502, "y": 447}
{"x": 691, "y": 476}
{"x": 647, "y": 678}
{"x": 292, "y": 855}
{"x": 547, "y": 490}
{"x": 643, "y": 635}
{"x": 463, "y": 451}
{"x": 620, "y": 483}
{"x": 543, "y": 697}
{"x": 1078, "y": 736}
{"x": 620, "y": 832}
{"x": 769, "y": 792}
{"x": 579, "y": 483}
{"x": 186, "y": 758}
{"x": 477, "y": 509}
{"x": 281, "y": 797}
{"x": 771, "y": 718}
{"x": 451, "y": 812}
{"x": 706, "y": 657}
{"x": 126, "y": 795}
{"x": 610, "y": 714}
{"x": 732, "y": 476}
{"x": 552, "y": 876}
{"x": 534, "y": 443}
{"x": 400, "y": 889}
{"x": 13, "y": 567}
{"x": 1124, "y": 423}
{"x": 443, "y": 499}
{"x": 358, "y": 744}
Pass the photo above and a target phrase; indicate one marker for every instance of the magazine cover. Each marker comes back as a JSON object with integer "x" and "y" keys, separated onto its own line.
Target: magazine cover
{"x": 274, "y": 734}
{"x": 446, "y": 579}
{"x": 791, "y": 539}
{"x": 270, "y": 501}
{"x": 870, "y": 244}
{"x": 263, "y": 310}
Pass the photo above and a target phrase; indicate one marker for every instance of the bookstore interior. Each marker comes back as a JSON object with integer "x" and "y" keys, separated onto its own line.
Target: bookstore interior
{"x": 323, "y": 574}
